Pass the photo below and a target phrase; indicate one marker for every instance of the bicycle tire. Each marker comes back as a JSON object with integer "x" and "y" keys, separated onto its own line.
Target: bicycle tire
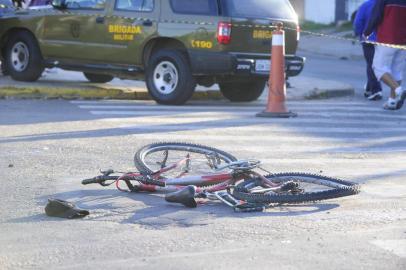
{"x": 141, "y": 154}
{"x": 346, "y": 188}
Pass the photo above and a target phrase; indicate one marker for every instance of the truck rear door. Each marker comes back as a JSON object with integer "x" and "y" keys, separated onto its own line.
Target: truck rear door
{"x": 251, "y": 24}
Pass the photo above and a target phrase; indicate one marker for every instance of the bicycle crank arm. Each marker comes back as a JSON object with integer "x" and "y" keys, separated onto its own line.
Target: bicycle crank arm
{"x": 237, "y": 205}
{"x": 226, "y": 198}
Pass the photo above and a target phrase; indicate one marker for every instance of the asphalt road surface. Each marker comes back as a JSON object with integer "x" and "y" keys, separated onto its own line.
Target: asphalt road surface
{"x": 48, "y": 146}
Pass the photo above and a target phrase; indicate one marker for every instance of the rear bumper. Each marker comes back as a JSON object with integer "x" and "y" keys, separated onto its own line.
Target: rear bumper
{"x": 293, "y": 66}
{"x": 238, "y": 64}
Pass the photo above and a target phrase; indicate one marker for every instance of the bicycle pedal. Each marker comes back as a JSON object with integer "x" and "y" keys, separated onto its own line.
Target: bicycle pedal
{"x": 226, "y": 198}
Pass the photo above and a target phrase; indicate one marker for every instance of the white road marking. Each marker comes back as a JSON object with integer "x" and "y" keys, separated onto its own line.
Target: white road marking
{"x": 397, "y": 247}
{"x": 317, "y": 119}
{"x": 257, "y": 128}
{"x": 349, "y": 104}
{"x": 193, "y": 108}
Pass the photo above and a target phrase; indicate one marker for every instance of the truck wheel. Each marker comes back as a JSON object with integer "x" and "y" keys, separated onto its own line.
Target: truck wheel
{"x": 242, "y": 91}
{"x": 169, "y": 79}
{"x": 98, "y": 78}
{"x": 23, "y": 57}
{"x": 3, "y": 68}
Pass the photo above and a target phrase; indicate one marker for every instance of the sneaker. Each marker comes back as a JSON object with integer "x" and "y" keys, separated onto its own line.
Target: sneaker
{"x": 367, "y": 93}
{"x": 391, "y": 104}
{"x": 375, "y": 96}
{"x": 401, "y": 100}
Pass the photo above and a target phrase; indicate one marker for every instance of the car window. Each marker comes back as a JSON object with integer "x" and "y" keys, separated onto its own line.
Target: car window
{"x": 85, "y": 4}
{"x": 135, "y": 5}
{"x": 278, "y": 9}
{"x": 198, "y": 7}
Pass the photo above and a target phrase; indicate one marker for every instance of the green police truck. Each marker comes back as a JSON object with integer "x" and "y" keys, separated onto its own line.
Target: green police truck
{"x": 171, "y": 44}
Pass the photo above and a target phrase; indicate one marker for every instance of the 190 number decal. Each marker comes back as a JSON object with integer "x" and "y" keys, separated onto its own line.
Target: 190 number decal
{"x": 202, "y": 44}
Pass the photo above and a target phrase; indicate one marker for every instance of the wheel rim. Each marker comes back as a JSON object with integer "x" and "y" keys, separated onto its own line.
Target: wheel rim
{"x": 151, "y": 157}
{"x": 166, "y": 77}
{"x": 20, "y": 56}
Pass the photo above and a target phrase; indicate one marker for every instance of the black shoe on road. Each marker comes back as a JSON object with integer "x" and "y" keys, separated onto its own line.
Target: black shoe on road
{"x": 367, "y": 94}
{"x": 375, "y": 96}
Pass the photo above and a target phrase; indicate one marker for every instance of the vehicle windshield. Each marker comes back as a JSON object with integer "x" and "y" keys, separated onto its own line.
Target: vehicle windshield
{"x": 5, "y": 3}
{"x": 269, "y": 9}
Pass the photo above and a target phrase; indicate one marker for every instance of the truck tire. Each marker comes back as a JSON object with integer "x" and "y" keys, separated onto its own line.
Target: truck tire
{"x": 242, "y": 91}
{"x": 3, "y": 69}
{"x": 169, "y": 78}
{"x": 23, "y": 57}
{"x": 98, "y": 78}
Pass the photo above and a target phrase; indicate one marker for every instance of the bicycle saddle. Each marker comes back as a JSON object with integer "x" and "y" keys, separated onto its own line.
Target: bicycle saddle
{"x": 185, "y": 196}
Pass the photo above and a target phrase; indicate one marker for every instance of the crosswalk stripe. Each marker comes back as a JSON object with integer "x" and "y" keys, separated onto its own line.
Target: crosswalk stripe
{"x": 396, "y": 246}
{"x": 137, "y": 103}
{"x": 182, "y": 118}
{"x": 255, "y": 103}
{"x": 153, "y": 108}
{"x": 255, "y": 128}
{"x": 270, "y": 139}
{"x": 302, "y": 114}
{"x": 334, "y": 128}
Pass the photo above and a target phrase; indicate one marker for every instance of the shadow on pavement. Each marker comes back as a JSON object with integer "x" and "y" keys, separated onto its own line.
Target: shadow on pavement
{"x": 150, "y": 209}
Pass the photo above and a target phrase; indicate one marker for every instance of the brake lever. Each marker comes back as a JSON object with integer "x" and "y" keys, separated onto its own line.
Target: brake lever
{"x": 107, "y": 173}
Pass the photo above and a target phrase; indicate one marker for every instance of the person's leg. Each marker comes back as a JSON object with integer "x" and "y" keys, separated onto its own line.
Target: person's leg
{"x": 398, "y": 66}
{"x": 382, "y": 66}
{"x": 367, "y": 89}
{"x": 391, "y": 82}
{"x": 374, "y": 85}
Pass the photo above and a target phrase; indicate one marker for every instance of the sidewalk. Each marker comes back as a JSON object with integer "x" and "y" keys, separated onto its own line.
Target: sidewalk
{"x": 342, "y": 49}
{"x": 58, "y": 83}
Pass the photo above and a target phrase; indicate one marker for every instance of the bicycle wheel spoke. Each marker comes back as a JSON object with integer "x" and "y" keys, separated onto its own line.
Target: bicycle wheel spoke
{"x": 188, "y": 158}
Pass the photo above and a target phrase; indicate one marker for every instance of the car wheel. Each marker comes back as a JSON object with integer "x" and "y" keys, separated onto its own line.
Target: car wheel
{"x": 242, "y": 91}
{"x": 98, "y": 78}
{"x": 23, "y": 57}
{"x": 169, "y": 79}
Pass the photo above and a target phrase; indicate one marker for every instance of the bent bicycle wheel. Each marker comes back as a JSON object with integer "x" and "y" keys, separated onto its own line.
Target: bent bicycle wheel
{"x": 202, "y": 159}
{"x": 311, "y": 187}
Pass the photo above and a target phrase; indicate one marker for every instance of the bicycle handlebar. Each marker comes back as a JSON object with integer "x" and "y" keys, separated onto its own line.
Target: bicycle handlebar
{"x": 102, "y": 178}
{"x": 98, "y": 179}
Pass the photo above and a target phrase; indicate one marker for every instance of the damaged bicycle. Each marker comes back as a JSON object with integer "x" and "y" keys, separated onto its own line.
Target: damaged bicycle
{"x": 190, "y": 173}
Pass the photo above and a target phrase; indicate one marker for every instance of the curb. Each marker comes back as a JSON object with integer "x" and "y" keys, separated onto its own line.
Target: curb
{"x": 8, "y": 92}
{"x": 333, "y": 93}
{"x": 12, "y": 92}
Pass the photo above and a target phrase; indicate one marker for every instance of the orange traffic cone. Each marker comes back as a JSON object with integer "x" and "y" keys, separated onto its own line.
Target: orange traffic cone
{"x": 277, "y": 87}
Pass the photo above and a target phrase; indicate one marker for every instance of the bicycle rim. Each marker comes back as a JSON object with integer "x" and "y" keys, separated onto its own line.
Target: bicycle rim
{"x": 315, "y": 188}
{"x": 149, "y": 158}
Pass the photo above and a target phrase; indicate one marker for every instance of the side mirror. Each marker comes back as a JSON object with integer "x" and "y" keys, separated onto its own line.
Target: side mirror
{"x": 59, "y": 4}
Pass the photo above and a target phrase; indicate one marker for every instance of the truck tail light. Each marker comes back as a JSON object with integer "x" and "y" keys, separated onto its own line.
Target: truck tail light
{"x": 298, "y": 32}
{"x": 224, "y": 33}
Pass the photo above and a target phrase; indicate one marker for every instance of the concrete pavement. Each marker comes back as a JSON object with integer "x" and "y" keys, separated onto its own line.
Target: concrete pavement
{"x": 57, "y": 143}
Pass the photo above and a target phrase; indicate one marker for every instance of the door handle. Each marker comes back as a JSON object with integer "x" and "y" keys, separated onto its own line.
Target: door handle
{"x": 100, "y": 20}
{"x": 147, "y": 23}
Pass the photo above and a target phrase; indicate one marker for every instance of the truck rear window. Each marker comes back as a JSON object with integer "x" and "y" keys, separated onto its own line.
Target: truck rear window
{"x": 198, "y": 7}
{"x": 267, "y": 9}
